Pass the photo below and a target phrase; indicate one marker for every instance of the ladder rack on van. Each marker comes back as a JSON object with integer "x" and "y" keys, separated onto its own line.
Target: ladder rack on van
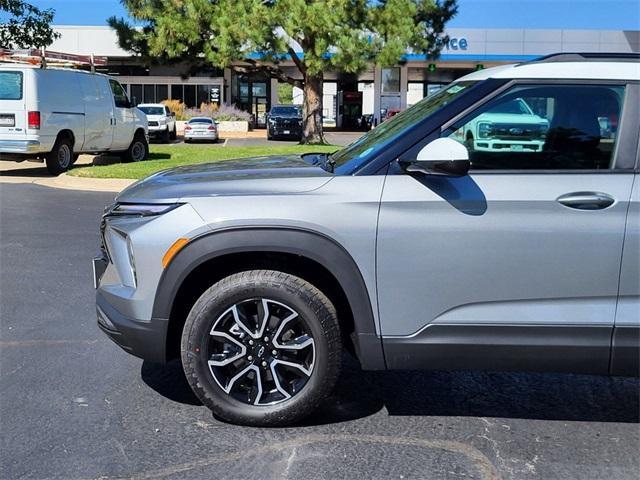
{"x": 47, "y": 58}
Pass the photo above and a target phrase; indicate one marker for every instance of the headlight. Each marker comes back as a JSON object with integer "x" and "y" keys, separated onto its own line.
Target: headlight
{"x": 141, "y": 209}
{"x": 132, "y": 262}
{"x": 162, "y": 121}
{"x": 484, "y": 130}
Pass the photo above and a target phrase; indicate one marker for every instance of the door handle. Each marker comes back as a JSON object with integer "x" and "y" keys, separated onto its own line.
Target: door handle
{"x": 586, "y": 200}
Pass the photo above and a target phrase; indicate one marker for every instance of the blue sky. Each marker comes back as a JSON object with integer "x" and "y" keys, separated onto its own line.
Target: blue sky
{"x": 588, "y": 14}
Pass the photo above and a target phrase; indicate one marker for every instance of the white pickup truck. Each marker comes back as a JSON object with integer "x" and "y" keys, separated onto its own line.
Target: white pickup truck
{"x": 162, "y": 121}
{"x": 55, "y": 114}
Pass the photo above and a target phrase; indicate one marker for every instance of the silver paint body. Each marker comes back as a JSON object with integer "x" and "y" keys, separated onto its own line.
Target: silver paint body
{"x": 526, "y": 260}
{"x": 490, "y": 248}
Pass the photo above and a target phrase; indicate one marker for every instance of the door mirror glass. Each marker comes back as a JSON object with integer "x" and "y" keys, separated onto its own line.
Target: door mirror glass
{"x": 442, "y": 156}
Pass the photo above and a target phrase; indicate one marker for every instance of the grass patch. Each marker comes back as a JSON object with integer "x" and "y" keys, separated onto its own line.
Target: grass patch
{"x": 168, "y": 156}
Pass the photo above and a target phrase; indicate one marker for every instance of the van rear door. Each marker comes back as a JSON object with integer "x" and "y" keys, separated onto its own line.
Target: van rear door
{"x": 13, "y": 110}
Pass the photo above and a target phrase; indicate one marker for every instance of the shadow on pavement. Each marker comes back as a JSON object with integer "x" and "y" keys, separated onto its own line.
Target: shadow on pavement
{"x": 36, "y": 171}
{"x": 534, "y": 396}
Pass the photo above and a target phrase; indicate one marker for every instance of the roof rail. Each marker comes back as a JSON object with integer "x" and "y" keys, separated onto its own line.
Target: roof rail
{"x": 45, "y": 58}
{"x": 588, "y": 57}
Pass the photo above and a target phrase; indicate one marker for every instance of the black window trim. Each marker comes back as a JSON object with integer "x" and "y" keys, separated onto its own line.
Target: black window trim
{"x": 624, "y": 137}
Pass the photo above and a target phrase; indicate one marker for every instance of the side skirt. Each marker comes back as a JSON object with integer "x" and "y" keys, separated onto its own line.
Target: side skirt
{"x": 575, "y": 349}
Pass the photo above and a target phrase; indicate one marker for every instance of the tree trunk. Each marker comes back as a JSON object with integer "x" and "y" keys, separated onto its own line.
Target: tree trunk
{"x": 312, "y": 110}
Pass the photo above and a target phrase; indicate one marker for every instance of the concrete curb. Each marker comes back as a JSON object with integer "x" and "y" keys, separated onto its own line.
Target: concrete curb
{"x": 68, "y": 182}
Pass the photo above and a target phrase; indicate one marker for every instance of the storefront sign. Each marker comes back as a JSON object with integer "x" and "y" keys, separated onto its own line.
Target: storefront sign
{"x": 215, "y": 94}
{"x": 454, "y": 43}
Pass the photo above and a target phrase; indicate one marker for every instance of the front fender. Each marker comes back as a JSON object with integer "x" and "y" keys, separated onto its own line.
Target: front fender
{"x": 309, "y": 244}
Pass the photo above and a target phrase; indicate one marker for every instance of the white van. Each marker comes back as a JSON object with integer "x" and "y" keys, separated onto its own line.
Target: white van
{"x": 55, "y": 114}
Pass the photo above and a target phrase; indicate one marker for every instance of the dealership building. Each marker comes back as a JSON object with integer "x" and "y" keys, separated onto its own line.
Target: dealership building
{"x": 347, "y": 97}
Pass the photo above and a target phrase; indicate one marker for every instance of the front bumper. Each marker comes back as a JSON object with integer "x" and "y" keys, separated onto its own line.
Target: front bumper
{"x": 27, "y": 147}
{"x": 157, "y": 130}
{"x": 283, "y": 131}
{"x": 495, "y": 145}
{"x": 146, "y": 340}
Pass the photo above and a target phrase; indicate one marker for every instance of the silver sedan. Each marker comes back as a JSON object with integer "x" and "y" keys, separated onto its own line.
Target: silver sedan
{"x": 201, "y": 128}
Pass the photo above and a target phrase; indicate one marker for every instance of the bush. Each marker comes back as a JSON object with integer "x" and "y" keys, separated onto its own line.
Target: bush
{"x": 175, "y": 106}
{"x": 222, "y": 113}
{"x": 230, "y": 114}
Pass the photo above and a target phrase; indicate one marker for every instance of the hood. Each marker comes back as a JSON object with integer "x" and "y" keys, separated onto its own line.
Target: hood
{"x": 245, "y": 176}
{"x": 511, "y": 118}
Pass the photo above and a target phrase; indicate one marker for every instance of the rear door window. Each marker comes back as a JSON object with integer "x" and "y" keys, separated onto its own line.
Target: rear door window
{"x": 10, "y": 85}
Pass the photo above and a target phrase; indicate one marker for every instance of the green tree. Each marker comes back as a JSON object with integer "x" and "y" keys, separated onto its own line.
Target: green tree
{"x": 285, "y": 93}
{"x": 23, "y": 26}
{"x": 317, "y": 35}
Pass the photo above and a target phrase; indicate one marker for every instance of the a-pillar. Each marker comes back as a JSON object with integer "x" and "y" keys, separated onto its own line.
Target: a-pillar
{"x": 377, "y": 94}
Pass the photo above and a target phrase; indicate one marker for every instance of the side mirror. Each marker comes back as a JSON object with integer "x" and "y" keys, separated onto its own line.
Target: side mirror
{"x": 173, "y": 114}
{"x": 442, "y": 156}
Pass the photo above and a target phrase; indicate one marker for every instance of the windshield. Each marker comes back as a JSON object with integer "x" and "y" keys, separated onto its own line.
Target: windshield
{"x": 152, "y": 110}
{"x": 517, "y": 107}
{"x": 358, "y": 153}
{"x": 10, "y": 85}
{"x": 200, "y": 120}
{"x": 286, "y": 111}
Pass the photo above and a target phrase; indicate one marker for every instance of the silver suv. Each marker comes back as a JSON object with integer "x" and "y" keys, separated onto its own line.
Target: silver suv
{"x": 404, "y": 249}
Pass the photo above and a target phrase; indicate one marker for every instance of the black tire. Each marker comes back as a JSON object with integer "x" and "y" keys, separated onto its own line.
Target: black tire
{"x": 469, "y": 142}
{"x": 60, "y": 158}
{"x": 135, "y": 151}
{"x": 76, "y": 156}
{"x": 174, "y": 133}
{"x": 166, "y": 136}
{"x": 317, "y": 315}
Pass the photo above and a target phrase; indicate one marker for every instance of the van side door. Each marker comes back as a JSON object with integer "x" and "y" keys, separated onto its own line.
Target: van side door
{"x": 123, "y": 117}
{"x": 98, "y": 127}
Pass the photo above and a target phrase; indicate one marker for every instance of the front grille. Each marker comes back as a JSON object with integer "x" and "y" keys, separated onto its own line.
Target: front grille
{"x": 510, "y": 131}
{"x": 153, "y": 124}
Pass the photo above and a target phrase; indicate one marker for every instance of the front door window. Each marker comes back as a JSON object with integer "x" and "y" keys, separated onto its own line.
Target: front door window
{"x": 544, "y": 127}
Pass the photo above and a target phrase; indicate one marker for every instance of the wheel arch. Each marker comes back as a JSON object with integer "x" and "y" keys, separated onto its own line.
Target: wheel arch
{"x": 67, "y": 133}
{"x": 310, "y": 255}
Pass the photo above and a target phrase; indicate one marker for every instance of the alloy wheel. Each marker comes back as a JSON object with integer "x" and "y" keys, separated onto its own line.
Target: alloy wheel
{"x": 260, "y": 352}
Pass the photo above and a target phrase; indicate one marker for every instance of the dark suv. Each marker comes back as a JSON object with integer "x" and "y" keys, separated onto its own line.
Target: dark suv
{"x": 284, "y": 121}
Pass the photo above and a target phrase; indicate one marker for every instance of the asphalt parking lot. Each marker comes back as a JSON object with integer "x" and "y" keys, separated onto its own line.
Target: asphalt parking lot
{"x": 74, "y": 406}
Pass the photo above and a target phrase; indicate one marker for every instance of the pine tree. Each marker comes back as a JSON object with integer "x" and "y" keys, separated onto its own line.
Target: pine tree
{"x": 317, "y": 35}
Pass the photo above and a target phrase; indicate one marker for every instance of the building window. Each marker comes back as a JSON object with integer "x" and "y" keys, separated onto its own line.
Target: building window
{"x": 190, "y": 96}
{"x": 204, "y": 94}
{"x": 162, "y": 93}
{"x": 391, "y": 80}
{"x": 149, "y": 94}
{"x": 136, "y": 94}
{"x": 176, "y": 93}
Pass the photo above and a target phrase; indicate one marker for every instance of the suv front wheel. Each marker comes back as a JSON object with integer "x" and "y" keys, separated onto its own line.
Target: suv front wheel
{"x": 262, "y": 348}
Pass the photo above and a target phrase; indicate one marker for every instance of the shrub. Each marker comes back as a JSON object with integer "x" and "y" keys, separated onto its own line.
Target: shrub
{"x": 226, "y": 113}
{"x": 175, "y": 106}
{"x": 222, "y": 113}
